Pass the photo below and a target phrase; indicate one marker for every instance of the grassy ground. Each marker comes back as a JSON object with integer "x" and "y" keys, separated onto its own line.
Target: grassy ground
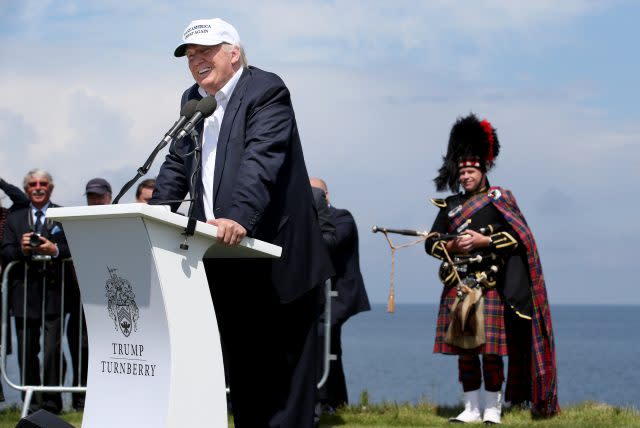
{"x": 587, "y": 414}
{"x": 428, "y": 415}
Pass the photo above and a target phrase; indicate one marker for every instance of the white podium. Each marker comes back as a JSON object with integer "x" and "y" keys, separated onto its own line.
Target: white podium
{"x": 154, "y": 349}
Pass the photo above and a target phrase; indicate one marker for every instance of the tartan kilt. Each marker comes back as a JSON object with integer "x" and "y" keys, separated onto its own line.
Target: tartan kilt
{"x": 495, "y": 332}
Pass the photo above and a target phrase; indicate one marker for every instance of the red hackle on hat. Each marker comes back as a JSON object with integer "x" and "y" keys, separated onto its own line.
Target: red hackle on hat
{"x": 489, "y": 130}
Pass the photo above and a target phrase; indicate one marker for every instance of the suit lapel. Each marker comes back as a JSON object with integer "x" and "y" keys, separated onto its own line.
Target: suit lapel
{"x": 29, "y": 218}
{"x": 225, "y": 129}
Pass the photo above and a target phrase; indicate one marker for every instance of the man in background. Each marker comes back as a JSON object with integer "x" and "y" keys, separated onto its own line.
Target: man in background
{"x": 494, "y": 301}
{"x": 145, "y": 190}
{"x": 98, "y": 192}
{"x": 352, "y": 296}
{"x": 40, "y": 244}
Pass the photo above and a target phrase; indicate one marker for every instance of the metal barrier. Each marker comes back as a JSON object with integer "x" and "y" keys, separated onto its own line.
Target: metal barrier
{"x": 6, "y": 331}
{"x": 328, "y": 356}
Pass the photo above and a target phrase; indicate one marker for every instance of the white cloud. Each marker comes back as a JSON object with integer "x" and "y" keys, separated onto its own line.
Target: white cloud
{"x": 16, "y": 136}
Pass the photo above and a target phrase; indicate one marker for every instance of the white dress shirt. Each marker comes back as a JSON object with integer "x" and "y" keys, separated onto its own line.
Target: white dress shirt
{"x": 210, "y": 134}
{"x": 34, "y": 218}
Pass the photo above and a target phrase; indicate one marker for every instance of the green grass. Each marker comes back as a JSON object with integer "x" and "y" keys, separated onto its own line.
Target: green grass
{"x": 363, "y": 415}
{"x": 587, "y": 414}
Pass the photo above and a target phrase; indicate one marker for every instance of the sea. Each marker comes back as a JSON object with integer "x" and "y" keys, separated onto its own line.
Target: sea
{"x": 388, "y": 356}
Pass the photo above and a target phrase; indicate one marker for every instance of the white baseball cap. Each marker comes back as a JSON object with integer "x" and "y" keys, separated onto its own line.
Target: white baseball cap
{"x": 207, "y": 32}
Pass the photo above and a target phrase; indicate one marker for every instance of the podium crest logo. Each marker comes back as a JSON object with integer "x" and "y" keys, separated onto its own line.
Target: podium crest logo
{"x": 121, "y": 303}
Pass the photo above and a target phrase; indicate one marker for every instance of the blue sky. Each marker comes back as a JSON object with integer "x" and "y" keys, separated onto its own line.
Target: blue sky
{"x": 88, "y": 88}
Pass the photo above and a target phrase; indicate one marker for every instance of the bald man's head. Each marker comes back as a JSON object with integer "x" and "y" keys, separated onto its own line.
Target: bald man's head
{"x": 319, "y": 183}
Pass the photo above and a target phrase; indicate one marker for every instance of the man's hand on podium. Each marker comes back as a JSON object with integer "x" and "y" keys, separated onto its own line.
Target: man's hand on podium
{"x": 229, "y": 231}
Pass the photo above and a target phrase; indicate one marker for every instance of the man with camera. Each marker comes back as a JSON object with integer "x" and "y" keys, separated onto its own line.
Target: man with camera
{"x": 40, "y": 244}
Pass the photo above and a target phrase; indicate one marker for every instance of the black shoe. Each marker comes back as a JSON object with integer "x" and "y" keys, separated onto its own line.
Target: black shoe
{"x": 51, "y": 407}
{"x": 328, "y": 409}
{"x": 78, "y": 405}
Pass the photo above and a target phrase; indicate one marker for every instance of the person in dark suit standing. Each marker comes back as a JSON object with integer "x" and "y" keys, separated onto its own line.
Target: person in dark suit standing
{"x": 352, "y": 297}
{"x": 29, "y": 235}
{"x": 253, "y": 182}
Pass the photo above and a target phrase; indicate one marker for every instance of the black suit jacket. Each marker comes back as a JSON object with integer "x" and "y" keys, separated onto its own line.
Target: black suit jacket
{"x": 19, "y": 222}
{"x": 352, "y": 296}
{"x": 260, "y": 181}
{"x": 325, "y": 221}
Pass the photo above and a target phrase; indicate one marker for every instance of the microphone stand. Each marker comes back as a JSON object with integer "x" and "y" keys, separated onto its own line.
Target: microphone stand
{"x": 191, "y": 223}
{"x": 143, "y": 169}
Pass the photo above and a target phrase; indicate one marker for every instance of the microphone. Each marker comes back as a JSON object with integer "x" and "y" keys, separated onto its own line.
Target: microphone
{"x": 187, "y": 110}
{"x": 204, "y": 108}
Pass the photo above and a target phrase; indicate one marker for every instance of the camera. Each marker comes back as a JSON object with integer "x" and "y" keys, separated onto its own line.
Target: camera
{"x": 34, "y": 240}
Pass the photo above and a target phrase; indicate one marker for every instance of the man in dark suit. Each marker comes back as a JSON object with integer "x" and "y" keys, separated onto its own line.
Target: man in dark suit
{"x": 28, "y": 237}
{"x": 253, "y": 182}
{"x": 352, "y": 296}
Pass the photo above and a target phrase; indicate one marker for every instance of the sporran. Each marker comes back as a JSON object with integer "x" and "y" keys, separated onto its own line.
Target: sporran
{"x": 466, "y": 325}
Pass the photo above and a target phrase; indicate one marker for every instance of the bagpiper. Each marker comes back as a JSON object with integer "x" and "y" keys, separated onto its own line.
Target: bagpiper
{"x": 494, "y": 303}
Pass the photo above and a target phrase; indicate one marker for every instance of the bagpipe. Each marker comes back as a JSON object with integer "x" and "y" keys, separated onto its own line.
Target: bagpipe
{"x": 423, "y": 236}
{"x": 451, "y": 265}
